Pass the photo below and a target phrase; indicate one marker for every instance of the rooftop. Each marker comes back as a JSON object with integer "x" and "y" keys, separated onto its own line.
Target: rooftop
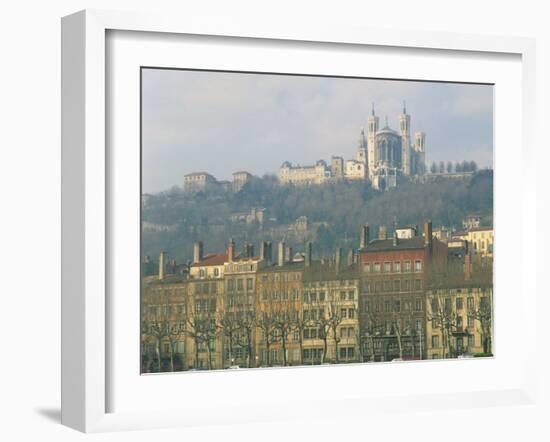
{"x": 377, "y": 245}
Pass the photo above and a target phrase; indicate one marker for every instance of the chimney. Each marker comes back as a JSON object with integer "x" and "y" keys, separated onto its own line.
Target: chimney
{"x": 395, "y": 239}
{"x": 162, "y": 257}
{"x": 281, "y": 254}
{"x": 364, "y": 236}
{"x": 338, "y": 258}
{"x": 382, "y": 231}
{"x": 231, "y": 250}
{"x": 350, "y": 257}
{"x": 289, "y": 256}
{"x": 197, "y": 252}
{"x": 173, "y": 267}
{"x": 263, "y": 250}
{"x": 308, "y": 254}
{"x": 269, "y": 251}
{"x": 428, "y": 235}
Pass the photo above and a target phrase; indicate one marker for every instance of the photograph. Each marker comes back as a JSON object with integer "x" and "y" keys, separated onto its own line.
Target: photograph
{"x": 292, "y": 220}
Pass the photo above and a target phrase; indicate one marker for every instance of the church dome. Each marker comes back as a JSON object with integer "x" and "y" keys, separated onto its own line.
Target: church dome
{"x": 386, "y": 130}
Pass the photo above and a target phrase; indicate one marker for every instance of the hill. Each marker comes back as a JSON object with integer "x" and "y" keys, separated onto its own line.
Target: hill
{"x": 174, "y": 220}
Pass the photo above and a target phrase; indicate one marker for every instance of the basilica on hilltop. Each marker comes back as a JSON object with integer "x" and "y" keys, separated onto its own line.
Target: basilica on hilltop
{"x": 382, "y": 155}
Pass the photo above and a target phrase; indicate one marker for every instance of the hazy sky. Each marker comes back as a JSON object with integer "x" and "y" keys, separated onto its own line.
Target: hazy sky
{"x": 222, "y": 122}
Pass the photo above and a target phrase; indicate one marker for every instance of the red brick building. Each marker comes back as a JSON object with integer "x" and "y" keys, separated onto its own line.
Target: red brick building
{"x": 394, "y": 274}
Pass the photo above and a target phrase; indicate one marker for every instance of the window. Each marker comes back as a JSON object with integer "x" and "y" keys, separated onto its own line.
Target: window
{"x": 470, "y": 321}
{"x": 418, "y": 325}
{"x": 418, "y": 284}
{"x": 386, "y": 286}
{"x": 418, "y": 304}
{"x": 377, "y": 267}
{"x": 407, "y": 305}
{"x": 397, "y": 285}
{"x": 448, "y": 307}
{"x": 351, "y": 313}
{"x": 216, "y": 271}
{"x": 470, "y": 303}
{"x": 294, "y": 294}
{"x": 306, "y": 297}
{"x": 397, "y": 266}
{"x": 387, "y": 267}
{"x": 313, "y": 297}
{"x": 435, "y": 305}
{"x": 459, "y": 321}
{"x": 231, "y": 285}
{"x": 342, "y": 296}
{"x": 366, "y": 307}
{"x": 343, "y": 312}
{"x": 397, "y": 305}
{"x": 351, "y": 296}
{"x": 240, "y": 284}
{"x": 366, "y": 267}
{"x": 387, "y": 306}
{"x": 459, "y": 303}
{"x": 435, "y": 341}
{"x": 471, "y": 341}
{"x": 321, "y": 296}
{"x": 250, "y": 284}
{"x": 377, "y": 287}
{"x": 407, "y": 266}
{"x": 296, "y": 336}
{"x": 418, "y": 265}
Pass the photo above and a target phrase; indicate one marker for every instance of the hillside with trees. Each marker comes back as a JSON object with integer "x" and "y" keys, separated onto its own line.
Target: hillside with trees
{"x": 174, "y": 219}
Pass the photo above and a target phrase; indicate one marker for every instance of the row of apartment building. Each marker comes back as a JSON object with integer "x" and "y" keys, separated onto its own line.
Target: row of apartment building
{"x": 391, "y": 298}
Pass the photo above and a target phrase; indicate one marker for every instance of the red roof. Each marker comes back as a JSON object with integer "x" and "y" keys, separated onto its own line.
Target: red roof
{"x": 217, "y": 259}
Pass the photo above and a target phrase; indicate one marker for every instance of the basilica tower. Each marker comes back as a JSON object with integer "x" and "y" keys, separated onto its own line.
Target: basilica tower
{"x": 362, "y": 148}
{"x": 372, "y": 128}
{"x": 405, "y": 132}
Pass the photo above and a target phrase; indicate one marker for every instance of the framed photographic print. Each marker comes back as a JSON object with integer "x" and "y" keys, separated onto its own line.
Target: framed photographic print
{"x": 272, "y": 220}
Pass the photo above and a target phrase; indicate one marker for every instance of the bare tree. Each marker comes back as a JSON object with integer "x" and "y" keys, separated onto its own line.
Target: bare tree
{"x": 443, "y": 318}
{"x": 247, "y": 323}
{"x": 483, "y": 312}
{"x": 283, "y": 327}
{"x": 230, "y": 329}
{"x": 300, "y": 324}
{"x": 268, "y": 327}
{"x": 161, "y": 325}
{"x": 334, "y": 319}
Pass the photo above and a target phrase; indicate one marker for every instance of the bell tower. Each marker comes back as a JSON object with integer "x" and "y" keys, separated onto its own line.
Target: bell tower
{"x": 362, "y": 148}
{"x": 372, "y": 128}
{"x": 405, "y": 132}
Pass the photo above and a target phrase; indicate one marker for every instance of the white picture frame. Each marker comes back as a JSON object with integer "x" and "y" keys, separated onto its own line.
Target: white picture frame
{"x": 86, "y": 207}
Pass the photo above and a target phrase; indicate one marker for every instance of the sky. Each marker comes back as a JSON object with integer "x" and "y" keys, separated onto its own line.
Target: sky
{"x": 221, "y": 122}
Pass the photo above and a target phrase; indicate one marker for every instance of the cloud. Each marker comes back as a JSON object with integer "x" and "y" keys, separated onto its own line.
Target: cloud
{"x": 221, "y": 122}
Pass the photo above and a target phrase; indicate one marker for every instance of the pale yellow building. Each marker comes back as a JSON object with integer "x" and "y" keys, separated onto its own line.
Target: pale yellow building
{"x": 459, "y": 321}
{"x": 480, "y": 240}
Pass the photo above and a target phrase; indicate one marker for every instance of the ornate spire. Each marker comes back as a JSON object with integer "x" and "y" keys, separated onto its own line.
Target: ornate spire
{"x": 387, "y": 121}
{"x": 404, "y": 107}
{"x": 372, "y": 112}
